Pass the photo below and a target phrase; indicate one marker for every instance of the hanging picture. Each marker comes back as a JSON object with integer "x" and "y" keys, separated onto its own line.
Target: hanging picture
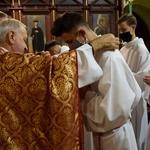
{"x": 36, "y": 33}
{"x": 101, "y": 24}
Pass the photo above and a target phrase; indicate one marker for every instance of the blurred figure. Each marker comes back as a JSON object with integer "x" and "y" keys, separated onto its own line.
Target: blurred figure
{"x": 55, "y": 48}
{"x": 136, "y": 55}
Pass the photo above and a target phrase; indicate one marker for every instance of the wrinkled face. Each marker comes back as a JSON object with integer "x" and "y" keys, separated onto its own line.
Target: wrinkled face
{"x": 56, "y": 49}
{"x": 19, "y": 42}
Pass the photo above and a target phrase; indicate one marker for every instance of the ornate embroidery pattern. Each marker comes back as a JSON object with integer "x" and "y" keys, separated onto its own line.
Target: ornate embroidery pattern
{"x": 39, "y": 103}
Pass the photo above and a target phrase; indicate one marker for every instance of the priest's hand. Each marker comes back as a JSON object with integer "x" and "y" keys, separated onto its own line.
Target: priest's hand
{"x": 105, "y": 42}
{"x": 45, "y": 53}
{"x": 146, "y": 79}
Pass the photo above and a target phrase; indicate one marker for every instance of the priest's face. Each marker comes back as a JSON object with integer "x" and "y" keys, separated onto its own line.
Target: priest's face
{"x": 18, "y": 41}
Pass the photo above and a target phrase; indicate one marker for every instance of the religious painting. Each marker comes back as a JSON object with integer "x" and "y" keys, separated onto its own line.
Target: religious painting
{"x": 101, "y": 23}
{"x": 36, "y": 33}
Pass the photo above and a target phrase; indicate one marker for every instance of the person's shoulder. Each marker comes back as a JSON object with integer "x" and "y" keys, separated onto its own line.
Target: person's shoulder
{"x": 110, "y": 54}
{"x": 138, "y": 42}
{"x": 140, "y": 45}
{"x": 110, "y": 57}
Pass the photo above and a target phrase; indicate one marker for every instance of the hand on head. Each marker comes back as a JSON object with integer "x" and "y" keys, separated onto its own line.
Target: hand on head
{"x": 105, "y": 42}
{"x": 111, "y": 42}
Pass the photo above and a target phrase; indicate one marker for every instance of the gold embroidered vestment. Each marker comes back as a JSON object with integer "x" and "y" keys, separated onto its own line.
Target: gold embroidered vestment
{"x": 39, "y": 102}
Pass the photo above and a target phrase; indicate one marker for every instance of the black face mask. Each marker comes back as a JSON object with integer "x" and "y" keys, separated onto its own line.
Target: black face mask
{"x": 126, "y": 37}
{"x": 75, "y": 45}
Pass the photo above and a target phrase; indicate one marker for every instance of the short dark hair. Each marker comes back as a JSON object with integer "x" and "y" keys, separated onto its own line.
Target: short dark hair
{"x": 129, "y": 18}
{"x": 68, "y": 22}
{"x": 49, "y": 44}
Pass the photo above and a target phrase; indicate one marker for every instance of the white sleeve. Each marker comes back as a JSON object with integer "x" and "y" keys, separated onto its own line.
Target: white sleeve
{"x": 88, "y": 69}
{"x": 140, "y": 75}
{"x": 118, "y": 92}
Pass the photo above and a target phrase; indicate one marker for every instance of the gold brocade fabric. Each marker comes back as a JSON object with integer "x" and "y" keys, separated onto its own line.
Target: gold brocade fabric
{"x": 39, "y": 103}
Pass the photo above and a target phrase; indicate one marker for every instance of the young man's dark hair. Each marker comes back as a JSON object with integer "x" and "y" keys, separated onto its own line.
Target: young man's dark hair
{"x": 68, "y": 22}
{"x": 129, "y": 18}
{"x": 49, "y": 44}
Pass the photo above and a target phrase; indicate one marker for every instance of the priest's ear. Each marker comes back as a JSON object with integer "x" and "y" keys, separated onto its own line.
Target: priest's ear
{"x": 11, "y": 37}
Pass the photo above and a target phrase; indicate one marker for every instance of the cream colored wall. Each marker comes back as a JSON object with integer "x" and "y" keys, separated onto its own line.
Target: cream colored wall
{"x": 142, "y": 2}
{"x": 142, "y": 9}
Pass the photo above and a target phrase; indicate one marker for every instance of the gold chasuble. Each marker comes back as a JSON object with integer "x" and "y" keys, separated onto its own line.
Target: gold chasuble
{"x": 39, "y": 102}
